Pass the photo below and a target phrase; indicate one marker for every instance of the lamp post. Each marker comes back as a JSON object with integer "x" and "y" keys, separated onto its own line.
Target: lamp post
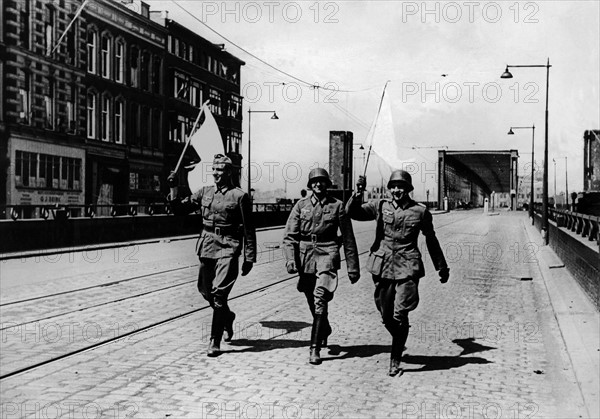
{"x": 507, "y": 75}
{"x": 566, "y": 185}
{"x": 532, "y": 128}
{"x": 354, "y": 166}
{"x": 554, "y": 161}
{"x": 250, "y": 112}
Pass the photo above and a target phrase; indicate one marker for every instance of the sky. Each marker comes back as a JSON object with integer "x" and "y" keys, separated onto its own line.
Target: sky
{"x": 443, "y": 61}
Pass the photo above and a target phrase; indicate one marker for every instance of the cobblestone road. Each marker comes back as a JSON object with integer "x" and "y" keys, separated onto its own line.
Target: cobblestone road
{"x": 486, "y": 344}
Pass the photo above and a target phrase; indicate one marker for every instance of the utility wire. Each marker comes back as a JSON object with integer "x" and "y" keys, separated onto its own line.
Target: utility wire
{"x": 263, "y": 61}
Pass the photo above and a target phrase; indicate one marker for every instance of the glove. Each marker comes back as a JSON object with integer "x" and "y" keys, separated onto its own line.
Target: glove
{"x": 361, "y": 183}
{"x": 444, "y": 275}
{"x": 354, "y": 277}
{"x": 246, "y": 267}
{"x": 172, "y": 180}
{"x": 291, "y": 267}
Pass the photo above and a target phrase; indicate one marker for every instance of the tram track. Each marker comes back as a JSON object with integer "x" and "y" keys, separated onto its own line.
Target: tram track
{"x": 151, "y": 325}
{"x": 141, "y": 329}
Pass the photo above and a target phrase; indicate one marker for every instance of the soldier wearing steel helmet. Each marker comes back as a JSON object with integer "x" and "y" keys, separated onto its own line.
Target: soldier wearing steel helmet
{"x": 227, "y": 230}
{"x": 395, "y": 260}
{"x": 311, "y": 247}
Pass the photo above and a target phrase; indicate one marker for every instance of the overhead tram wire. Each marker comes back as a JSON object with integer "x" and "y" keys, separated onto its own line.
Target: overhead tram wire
{"x": 263, "y": 61}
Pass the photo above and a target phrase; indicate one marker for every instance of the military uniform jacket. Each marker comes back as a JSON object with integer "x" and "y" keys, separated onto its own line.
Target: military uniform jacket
{"x": 227, "y": 222}
{"x": 395, "y": 253}
{"x": 311, "y": 236}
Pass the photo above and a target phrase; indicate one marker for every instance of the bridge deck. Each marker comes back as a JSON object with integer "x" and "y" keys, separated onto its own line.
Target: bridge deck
{"x": 506, "y": 337}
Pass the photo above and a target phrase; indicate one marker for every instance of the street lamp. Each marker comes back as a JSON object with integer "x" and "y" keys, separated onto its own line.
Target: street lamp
{"x": 353, "y": 165}
{"x": 566, "y": 185}
{"x": 507, "y": 75}
{"x": 554, "y": 161}
{"x": 532, "y": 128}
{"x": 250, "y": 112}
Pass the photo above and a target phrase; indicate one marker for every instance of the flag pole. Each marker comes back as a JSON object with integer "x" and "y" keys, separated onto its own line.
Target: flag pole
{"x": 374, "y": 127}
{"x": 69, "y": 26}
{"x": 187, "y": 141}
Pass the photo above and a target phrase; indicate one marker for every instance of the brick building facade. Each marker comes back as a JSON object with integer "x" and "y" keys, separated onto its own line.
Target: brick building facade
{"x": 95, "y": 119}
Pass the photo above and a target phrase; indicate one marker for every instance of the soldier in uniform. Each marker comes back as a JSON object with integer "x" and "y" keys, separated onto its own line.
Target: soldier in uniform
{"x": 227, "y": 228}
{"x": 311, "y": 248}
{"x": 395, "y": 261}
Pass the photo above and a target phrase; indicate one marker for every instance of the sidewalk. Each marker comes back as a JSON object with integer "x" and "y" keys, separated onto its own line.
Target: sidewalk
{"x": 578, "y": 320}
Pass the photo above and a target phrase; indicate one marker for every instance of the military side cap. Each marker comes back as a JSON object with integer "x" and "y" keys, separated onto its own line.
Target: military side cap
{"x": 221, "y": 160}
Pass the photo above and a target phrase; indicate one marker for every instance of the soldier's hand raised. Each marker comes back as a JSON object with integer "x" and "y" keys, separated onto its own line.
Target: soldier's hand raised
{"x": 354, "y": 277}
{"x": 291, "y": 267}
{"x": 172, "y": 180}
{"x": 361, "y": 184}
{"x": 444, "y": 275}
{"x": 246, "y": 267}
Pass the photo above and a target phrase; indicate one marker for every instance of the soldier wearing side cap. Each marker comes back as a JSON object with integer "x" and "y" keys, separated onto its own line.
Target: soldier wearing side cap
{"x": 311, "y": 247}
{"x": 395, "y": 260}
{"x": 227, "y": 230}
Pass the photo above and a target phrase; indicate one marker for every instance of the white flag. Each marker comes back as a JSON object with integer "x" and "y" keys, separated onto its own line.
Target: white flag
{"x": 207, "y": 142}
{"x": 383, "y": 137}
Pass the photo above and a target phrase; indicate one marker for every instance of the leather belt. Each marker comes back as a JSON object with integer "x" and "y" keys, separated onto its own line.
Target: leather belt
{"x": 222, "y": 230}
{"x": 316, "y": 238}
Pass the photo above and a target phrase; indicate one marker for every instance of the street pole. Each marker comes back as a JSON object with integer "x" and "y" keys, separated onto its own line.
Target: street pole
{"x": 566, "y": 185}
{"x": 250, "y": 112}
{"x": 545, "y": 224}
{"x": 532, "y": 128}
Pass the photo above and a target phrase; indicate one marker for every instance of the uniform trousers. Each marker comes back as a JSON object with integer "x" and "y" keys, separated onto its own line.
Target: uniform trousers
{"x": 395, "y": 299}
{"x": 215, "y": 280}
{"x": 315, "y": 288}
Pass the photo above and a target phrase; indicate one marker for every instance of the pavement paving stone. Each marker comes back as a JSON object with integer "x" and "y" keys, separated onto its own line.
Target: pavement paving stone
{"x": 474, "y": 343}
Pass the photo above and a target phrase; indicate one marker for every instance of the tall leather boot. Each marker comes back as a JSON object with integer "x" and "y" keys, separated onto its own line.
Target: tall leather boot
{"x": 216, "y": 332}
{"x": 398, "y": 342}
{"x": 228, "y": 335}
{"x": 315, "y": 340}
{"x": 325, "y": 330}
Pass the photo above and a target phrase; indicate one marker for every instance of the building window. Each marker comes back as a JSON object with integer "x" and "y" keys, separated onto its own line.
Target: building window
{"x": 92, "y": 43}
{"x": 178, "y": 129}
{"x": 156, "y": 72}
{"x": 180, "y": 86}
{"x": 24, "y": 18}
{"x": 134, "y": 67}
{"x": 234, "y": 110}
{"x": 145, "y": 126}
{"x": 145, "y": 71}
{"x": 91, "y": 115}
{"x": 49, "y": 105}
{"x": 119, "y": 61}
{"x": 25, "y": 99}
{"x": 106, "y": 119}
{"x": 156, "y": 129}
{"x": 72, "y": 42}
{"x": 215, "y": 101}
{"x": 106, "y": 54}
{"x": 234, "y": 140}
{"x": 196, "y": 94}
{"x": 191, "y": 54}
{"x": 119, "y": 122}
{"x": 49, "y": 25}
{"x": 135, "y": 124}
{"x": 25, "y": 168}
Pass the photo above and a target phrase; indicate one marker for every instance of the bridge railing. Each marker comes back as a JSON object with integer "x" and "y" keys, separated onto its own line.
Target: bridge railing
{"x": 583, "y": 225}
{"x": 63, "y": 212}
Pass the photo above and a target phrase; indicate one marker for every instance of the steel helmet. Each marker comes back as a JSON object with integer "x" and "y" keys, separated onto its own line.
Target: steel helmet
{"x": 318, "y": 173}
{"x": 401, "y": 176}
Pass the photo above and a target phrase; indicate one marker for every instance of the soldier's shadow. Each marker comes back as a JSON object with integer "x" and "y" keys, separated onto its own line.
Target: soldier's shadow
{"x": 427, "y": 362}
{"x": 268, "y": 336}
